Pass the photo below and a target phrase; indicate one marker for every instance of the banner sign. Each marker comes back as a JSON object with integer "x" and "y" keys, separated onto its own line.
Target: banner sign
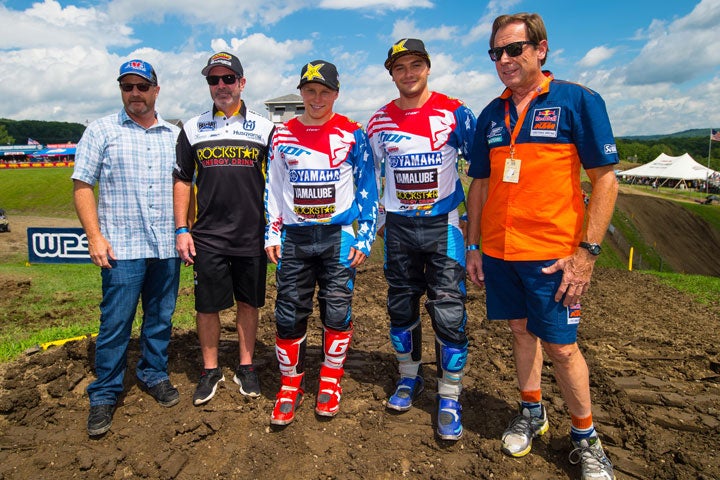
{"x": 36, "y": 165}
{"x": 57, "y": 245}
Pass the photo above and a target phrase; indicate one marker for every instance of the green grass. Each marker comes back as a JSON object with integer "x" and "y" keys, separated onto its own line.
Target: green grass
{"x": 56, "y": 301}
{"x": 670, "y": 193}
{"x": 610, "y": 259}
{"x": 62, "y": 301}
{"x": 53, "y": 301}
{"x": 37, "y": 191}
{"x": 704, "y": 289}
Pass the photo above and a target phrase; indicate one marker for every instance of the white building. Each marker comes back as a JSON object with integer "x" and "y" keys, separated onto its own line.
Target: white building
{"x": 284, "y": 108}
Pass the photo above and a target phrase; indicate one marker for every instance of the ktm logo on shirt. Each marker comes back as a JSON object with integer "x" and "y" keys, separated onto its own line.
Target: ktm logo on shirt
{"x": 545, "y": 122}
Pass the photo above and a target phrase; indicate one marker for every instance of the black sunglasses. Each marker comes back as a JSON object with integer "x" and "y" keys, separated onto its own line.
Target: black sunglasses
{"x": 227, "y": 79}
{"x": 143, "y": 87}
{"x": 513, "y": 49}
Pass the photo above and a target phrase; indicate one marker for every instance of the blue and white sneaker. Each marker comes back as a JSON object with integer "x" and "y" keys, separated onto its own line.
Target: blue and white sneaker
{"x": 407, "y": 390}
{"x": 449, "y": 419}
{"x": 595, "y": 465}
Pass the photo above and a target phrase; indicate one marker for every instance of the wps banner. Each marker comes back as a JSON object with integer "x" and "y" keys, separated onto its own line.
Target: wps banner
{"x": 57, "y": 245}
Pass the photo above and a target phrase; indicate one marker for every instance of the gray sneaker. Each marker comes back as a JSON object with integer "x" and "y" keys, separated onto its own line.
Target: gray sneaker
{"x": 592, "y": 459}
{"x": 518, "y": 436}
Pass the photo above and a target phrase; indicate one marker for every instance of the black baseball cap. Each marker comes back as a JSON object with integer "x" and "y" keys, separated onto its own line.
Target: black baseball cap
{"x": 320, "y": 71}
{"x": 223, "y": 59}
{"x": 406, "y": 46}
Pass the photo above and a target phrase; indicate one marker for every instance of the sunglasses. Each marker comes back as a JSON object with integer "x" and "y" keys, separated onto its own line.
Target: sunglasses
{"x": 227, "y": 79}
{"x": 128, "y": 87}
{"x": 514, "y": 49}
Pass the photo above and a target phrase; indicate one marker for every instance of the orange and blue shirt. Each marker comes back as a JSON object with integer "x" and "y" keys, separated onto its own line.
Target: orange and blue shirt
{"x": 565, "y": 127}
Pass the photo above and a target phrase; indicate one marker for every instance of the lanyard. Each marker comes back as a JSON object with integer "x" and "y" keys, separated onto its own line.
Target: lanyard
{"x": 521, "y": 119}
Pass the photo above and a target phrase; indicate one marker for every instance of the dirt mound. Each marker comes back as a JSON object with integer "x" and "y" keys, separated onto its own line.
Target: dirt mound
{"x": 655, "y": 384}
{"x": 685, "y": 241}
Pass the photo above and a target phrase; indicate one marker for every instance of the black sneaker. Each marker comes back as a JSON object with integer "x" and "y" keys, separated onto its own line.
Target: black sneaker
{"x": 207, "y": 386}
{"x": 100, "y": 419}
{"x": 247, "y": 378}
{"x": 164, "y": 393}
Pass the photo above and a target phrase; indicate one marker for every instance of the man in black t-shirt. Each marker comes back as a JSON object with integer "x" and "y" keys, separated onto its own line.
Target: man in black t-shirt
{"x": 224, "y": 151}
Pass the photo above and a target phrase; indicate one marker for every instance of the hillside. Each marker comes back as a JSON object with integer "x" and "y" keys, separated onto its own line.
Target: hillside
{"x": 693, "y": 133}
{"x": 686, "y": 242}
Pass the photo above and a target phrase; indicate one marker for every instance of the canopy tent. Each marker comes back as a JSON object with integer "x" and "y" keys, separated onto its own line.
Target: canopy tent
{"x": 665, "y": 167}
{"x": 54, "y": 152}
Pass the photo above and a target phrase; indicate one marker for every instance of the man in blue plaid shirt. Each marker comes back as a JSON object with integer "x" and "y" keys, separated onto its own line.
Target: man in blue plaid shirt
{"x": 130, "y": 155}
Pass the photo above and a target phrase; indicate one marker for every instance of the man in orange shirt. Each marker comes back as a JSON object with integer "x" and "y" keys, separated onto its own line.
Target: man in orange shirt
{"x": 539, "y": 242}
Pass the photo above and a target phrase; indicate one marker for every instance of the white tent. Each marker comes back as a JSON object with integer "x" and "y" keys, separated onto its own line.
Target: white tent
{"x": 676, "y": 168}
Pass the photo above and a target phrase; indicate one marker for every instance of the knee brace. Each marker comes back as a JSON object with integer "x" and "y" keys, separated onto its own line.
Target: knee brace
{"x": 407, "y": 342}
{"x": 335, "y": 346}
{"x": 290, "y": 354}
{"x": 451, "y": 368}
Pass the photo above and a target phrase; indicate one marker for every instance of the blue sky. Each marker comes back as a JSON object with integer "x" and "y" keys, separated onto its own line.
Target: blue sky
{"x": 657, "y": 64}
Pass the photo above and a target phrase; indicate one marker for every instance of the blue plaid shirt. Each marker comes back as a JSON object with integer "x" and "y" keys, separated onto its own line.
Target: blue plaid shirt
{"x": 133, "y": 168}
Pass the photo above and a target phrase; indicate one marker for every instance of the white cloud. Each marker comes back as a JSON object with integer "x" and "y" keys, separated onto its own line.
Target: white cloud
{"x": 66, "y": 87}
{"x": 375, "y": 4}
{"x": 223, "y": 16}
{"x": 407, "y": 29}
{"x": 681, "y": 50}
{"x": 47, "y": 24}
{"x": 596, "y": 56}
{"x": 483, "y": 27}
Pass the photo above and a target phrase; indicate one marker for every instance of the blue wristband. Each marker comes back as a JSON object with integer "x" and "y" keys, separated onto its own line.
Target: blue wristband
{"x": 180, "y": 230}
{"x": 473, "y": 246}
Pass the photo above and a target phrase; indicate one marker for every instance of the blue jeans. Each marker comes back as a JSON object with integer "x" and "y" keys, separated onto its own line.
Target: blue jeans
{"x": 156, "y": 283}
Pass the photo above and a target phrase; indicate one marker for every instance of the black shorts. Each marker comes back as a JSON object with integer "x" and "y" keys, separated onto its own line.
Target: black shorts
{"x": 219, "y": 277}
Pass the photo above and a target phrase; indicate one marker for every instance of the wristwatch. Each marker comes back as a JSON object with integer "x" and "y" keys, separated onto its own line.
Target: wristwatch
{"x": 593, "y": 248}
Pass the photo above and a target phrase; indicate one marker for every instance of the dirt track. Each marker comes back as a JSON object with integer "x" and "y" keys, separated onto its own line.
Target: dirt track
{"x": 686, "y": 242}
{"x": 653, "y": 355}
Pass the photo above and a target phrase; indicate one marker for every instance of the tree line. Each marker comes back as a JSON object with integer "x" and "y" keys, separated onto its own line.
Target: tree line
{"x": 17, "y": 132}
